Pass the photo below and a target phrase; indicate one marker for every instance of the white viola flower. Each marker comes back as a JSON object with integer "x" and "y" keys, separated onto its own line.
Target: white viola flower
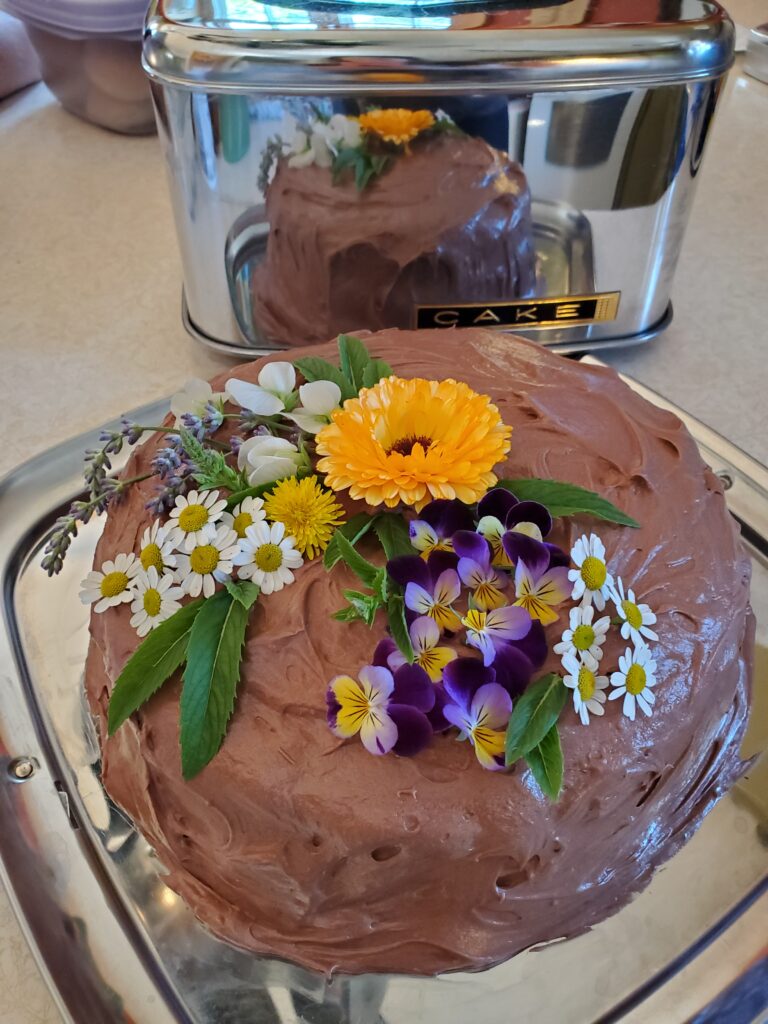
{"x": 588, "y": 687}
{"x": 340, "y": 131}
{"x": 636, "y": 618}
{"x": 193, "y": 516}
{"x": 157, "y": 547}
{"x": 155, "y": 599}
{"x": 112, "y": 584}
{"x": 591, "y": 580}
{"x": 319, "y": 399}
{"x": 584, "y": 636}
{"x": 208, "y": 562}
{"x": 194, "y": 397}
{"x": 249, "y": 511}
{"x": 266, "y": 459}
{"x": 266, "y": 556}
{"x": 276, "y": 382}
{"x": 635, "y": 681}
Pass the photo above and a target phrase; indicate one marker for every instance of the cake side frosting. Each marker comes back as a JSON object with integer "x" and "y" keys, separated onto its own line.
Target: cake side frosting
{"x": 294, "y": 843}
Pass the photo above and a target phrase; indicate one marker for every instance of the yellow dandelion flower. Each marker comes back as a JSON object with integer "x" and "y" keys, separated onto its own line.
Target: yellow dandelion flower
{"x": 308, "y": 511}
{"x": 397, "y": 125}
{"x": 413, "y": 440}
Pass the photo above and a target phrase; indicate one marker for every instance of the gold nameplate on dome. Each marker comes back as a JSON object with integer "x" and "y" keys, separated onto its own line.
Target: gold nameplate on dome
{"x": 523, "y": 313}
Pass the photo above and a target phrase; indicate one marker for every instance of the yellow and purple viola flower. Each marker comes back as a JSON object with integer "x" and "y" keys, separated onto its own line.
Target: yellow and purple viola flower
{"x": 479, "y": 707}
{"x": 429, "y": 655}
{"x": 475, "y": 570}
{"x": 437, "y": 523}
{"x": 539, "y": 589}
{"x": 388, "y": 709}
{"x": 431, "y": 587}
{"x": 488, "y": 631}
{"x": 500, "y": 513}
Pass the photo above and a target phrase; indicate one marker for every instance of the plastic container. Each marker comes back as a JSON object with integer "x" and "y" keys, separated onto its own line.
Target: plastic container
{"x": 90, "y": 54}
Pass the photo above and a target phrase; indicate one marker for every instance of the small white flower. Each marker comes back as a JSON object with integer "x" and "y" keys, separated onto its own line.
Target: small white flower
{"x": 323, "y": 141}
{"x": 112, "y": 584}
{"x": 318, "y": 400}
{"x": 588, "y": 687}
{"x": 266, "y": 556}
{"x": 269, "y": 396}
{"x": 157, "y": 547}
{"x": 266, "y": 458}
{"x": 636, "y": 618}
{"x": 340, "y": 131}
{"x": 155, "y": 599}
{"x": 584, "y": 636}
{"x": 194, "y": 397}
{"x": 634, "y": 681}
{"x": 249, "y": 511}
{"x": 591, "y": 580}
{"x": 208, "y": 563}
{"x": 192, "y": 517}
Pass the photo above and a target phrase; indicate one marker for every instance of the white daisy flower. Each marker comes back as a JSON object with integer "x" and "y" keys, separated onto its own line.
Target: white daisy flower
{"x": 194, "y": 397}
{"x": 636, "y": 618}
{"x": 588, "y": 687}
{"x": 266, "y": 458}
{"x": 583, "y": 635}
{"x": 156, "y": 547}
{"x": 155, "y": 599}
{"x": 270, "y": 395}
{"x": 112, "y": 584}
{"x": 591, "y": 580}
{"x": 318, "y": 399}
{"x": 208, "y": 563}
{"x": 192, "y": 517}
{"x": 249, "y": 511}
{"x": 634, "y": 681}
{"x": 267, "y": 557}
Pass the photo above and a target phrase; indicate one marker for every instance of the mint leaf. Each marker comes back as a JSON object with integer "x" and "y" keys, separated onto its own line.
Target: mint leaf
{"x": 398, "y": 625}
{"x": 155, "y": 659}
{"x": 243, "y": 591}
{"x": 312, "y": 368}
{"x": 393, "y": 534}
{"x": 210, "y": 679}
{"x": 353, "y": 530}
{"x": 546, "y": 763}
{"x": 348, "y": 614}
{"x": 375, "y": 371}
{"x": 359, "y": 565}
{"x": 365, "y": 605}
{"x": 380, "y": 586}
{"x": 353, "y": 359}
{"x": 564, "y": 499}
{"x": 533, "y": 715}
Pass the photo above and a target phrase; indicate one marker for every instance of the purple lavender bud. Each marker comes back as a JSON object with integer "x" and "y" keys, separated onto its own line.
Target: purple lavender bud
{"x": 234, "y": 443}
{"x": 131, "y": 431}
{"x": 213, "y": 418}
{"x": 194, "y": 425}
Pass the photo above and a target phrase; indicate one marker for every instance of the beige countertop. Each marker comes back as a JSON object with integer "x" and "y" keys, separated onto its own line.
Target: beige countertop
{"x": 90, "y": 313}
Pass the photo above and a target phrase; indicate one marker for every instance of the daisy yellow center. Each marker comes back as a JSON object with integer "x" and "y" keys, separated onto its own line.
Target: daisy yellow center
{"x": 241, "y": 523}
{"x": 204, "y": 559}
{"x": 583, "y": 637}
{"x": 268, "y": 557}
{"x": 396, "y": 125}
{"x": 636, "y": 678}
{"x": 406, "y": 444}
{"x": 193, "y": 518}
{"x": 593, "y": 572}
{"x": 151, "y": 555}
{"x": 586, "y": 683}
{"x": 632, "y": 614}
{"x": 308, "y": 512}
{"x": 152, "y": 602}
{"x": 114, "y": 583}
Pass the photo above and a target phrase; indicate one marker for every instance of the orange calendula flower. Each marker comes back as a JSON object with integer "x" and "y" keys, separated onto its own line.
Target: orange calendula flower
{"x": 413, "y": 440}
{"x": 396, "y": 125}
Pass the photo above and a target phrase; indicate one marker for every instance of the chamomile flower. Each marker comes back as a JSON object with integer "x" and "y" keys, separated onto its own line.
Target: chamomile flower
{"x": 591, "y": 580}
{"x": 112, "y": 584}
{"x": 588, "y": 687}
{"x": 249, "y": 511}
{"x": 584, "y": 636}
{"x": 192, "y": 516}
{"x": 635, "y": 681}
{"x": 157, "y": 548}
{"x": 636, "y": 618}
{"x": 266, "y": 556}
{"x": 155, "y": 598}
{"x": 209, "y": 562}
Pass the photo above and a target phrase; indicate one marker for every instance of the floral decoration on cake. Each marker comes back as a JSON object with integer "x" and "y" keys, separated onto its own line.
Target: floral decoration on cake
{"x": 463, "y": 591}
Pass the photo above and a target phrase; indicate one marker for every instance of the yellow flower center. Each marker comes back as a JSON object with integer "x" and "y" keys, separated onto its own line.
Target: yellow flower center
{"x": 114, "y": 583}
{"x": 406, "y": 444}
{"x": 151, "y": 555}
{"x": 396, "y": 124}
{"x": 475, "y": 620}
{"x": 152, "y": 602}
{"x": 268, "y": 557}
{"x": 193, "y": 518}
{"x": 241, "y": 523}
{"x": 586, "y": 683}
{"x": 632, "y": 614}
{"x": 583, "y": 637}
{"x": 636, "y": 678}
{"x": 593, "y": 572}
{"x": 204, "y": 559}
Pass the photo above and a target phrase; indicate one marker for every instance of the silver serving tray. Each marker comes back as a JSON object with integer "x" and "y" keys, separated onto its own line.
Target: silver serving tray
{"x": 115, "y": 944}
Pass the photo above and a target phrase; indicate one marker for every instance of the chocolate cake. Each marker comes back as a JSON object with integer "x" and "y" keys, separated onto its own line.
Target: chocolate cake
{"x": 295, "y": 843}
{"x": 451, "y": 222}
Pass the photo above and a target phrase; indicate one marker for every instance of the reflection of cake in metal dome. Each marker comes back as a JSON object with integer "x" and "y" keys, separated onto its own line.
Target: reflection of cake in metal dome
{"x": 371, "y": 217}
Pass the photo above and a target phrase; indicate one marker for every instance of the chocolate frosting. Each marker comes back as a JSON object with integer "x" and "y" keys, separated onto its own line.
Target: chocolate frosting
{"x": 294, "y": 843}
{"x": 449, "y": 222}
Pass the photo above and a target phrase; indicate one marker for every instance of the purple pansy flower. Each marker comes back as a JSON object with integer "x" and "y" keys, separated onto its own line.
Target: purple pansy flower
{"x": 515, "y": 529}
{"x": 487, "y": 631}
{"x": 428, "y": 654}
{"x": 539, "y": 588}
{"x": 479, "y": 707}
{"x": 437, "y": 523}
{"x": 475, "y": 570}
{"x": 431, "y": 587}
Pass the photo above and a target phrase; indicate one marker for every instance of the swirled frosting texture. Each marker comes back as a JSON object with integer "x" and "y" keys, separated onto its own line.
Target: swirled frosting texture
{"x": 294, "y": 843}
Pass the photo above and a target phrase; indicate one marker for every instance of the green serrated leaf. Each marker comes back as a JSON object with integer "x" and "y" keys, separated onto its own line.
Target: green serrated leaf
{"x": 563, "y": 499}
{"x": 533, "y": 715}
{"x": 353, "y": 530}
{"x": 353, "y": 359}
{"x": 365, "y": 605}
{"x": 380, "y": 586}
{"x": 243, "y": 591}
{"x": 359, "y": 565}
{"x": 312, "y": 368}
{"x": 153, "y": 662}
{"x": 375, "y": 371}
{"x": 348, "y": 614}
{"x": 546, "y": 763}
{"x": 393, "y": 534}
{"x": 210, "y": 679}
{"x": 398, "y": 625}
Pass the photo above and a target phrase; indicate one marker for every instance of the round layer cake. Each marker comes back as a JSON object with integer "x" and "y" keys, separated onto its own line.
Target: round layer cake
{"x": 295, "y": 843}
